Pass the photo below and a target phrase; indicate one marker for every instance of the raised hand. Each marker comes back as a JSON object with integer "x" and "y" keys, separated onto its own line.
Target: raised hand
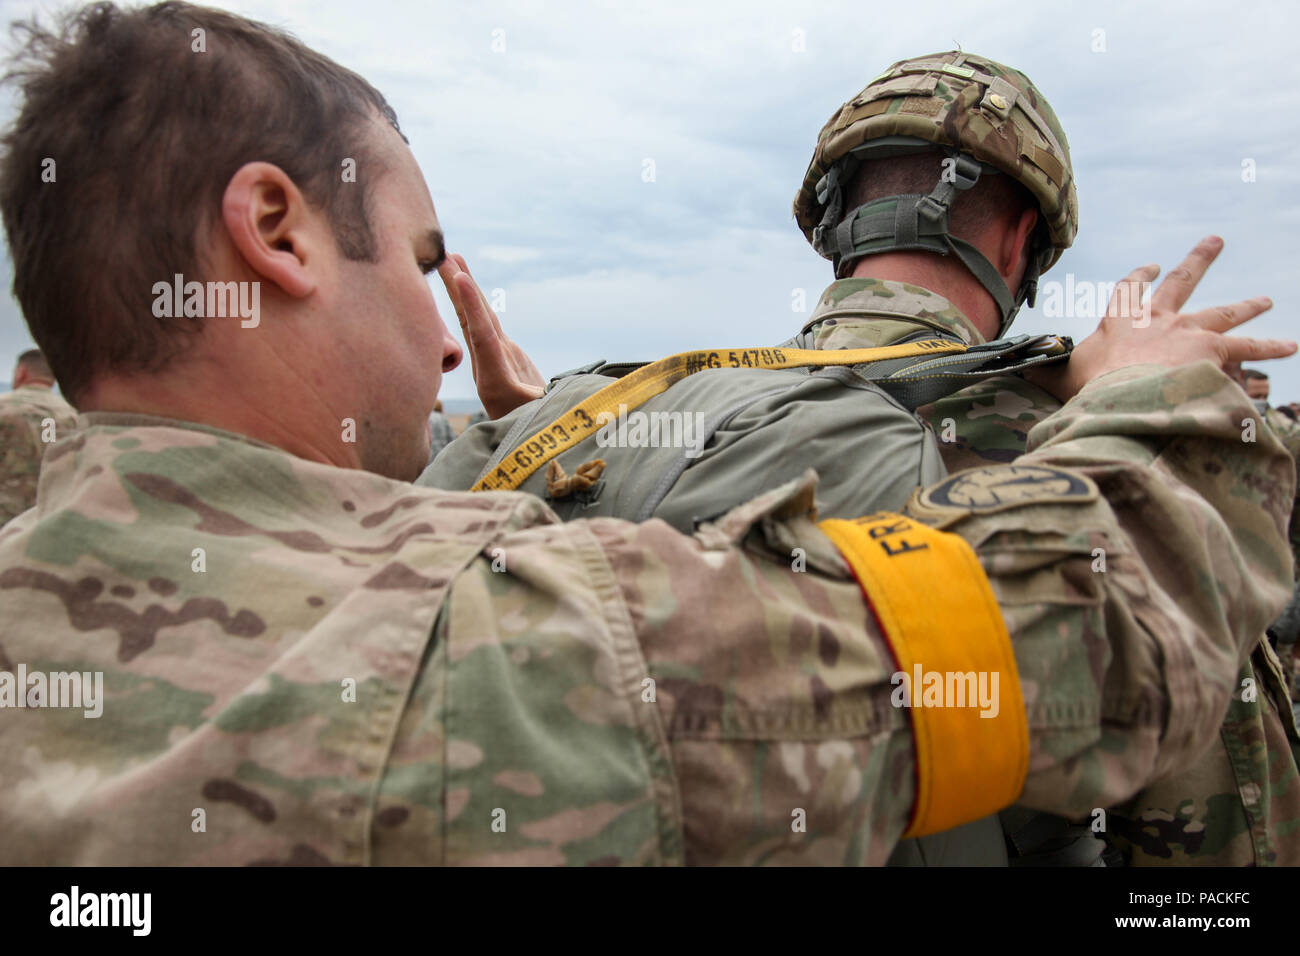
{"x": 503, "y": 374}
{"x": 1156, "y": 333}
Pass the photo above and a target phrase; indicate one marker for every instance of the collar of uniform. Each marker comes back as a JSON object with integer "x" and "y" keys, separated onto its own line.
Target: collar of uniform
{"x": 65, "y": 466}
{"x": 865, "y": 312}
{"x": 134, "y": 420}
{"x": 229, "y": 472}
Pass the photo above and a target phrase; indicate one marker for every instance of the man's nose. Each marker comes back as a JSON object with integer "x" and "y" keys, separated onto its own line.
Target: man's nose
{"x": 452, "y": 353}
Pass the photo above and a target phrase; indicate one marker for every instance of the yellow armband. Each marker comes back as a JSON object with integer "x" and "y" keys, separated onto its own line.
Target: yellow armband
{"x": 957, "y": 671}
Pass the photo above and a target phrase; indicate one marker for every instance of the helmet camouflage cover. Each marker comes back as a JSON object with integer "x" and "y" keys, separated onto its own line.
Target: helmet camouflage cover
{"x": 988, "y": 117}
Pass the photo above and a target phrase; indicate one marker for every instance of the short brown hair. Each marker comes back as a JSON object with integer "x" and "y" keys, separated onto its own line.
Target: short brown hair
{"x": 973, "y": 210}
{"x": 145, "y": 131}
{"x": 34, "y": 361}
{"x": 1253, "y": 373}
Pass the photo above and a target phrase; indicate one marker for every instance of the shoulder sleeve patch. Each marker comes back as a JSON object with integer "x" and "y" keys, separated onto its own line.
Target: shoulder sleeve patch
{"x": 997, "y": 488}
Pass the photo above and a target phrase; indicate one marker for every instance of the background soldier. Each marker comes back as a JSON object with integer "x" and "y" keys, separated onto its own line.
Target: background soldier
{"x": 1256, "y": 385}
{"x": 32, "y": 417}
{"x": 441, "y": 434}
{"x": 1284, "y": 633}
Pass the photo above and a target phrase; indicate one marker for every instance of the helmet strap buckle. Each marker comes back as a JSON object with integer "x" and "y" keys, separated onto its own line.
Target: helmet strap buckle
{"x": 965, "y": 173}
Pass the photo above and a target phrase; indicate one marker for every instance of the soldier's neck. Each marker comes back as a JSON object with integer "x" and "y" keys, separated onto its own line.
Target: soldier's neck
{"x": 276, "y": 419}
{"x": 940, "y": 275}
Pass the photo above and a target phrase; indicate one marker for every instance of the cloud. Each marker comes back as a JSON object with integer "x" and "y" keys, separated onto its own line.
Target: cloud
{"x": 508, "y": 255}
{"x": 533, "y": 123}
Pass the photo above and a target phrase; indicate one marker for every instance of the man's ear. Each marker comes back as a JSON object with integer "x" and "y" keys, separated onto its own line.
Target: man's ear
{"x": 269, "y": 223}
{"x": 1013, "y": 250}
{"x": 21, "y": 376}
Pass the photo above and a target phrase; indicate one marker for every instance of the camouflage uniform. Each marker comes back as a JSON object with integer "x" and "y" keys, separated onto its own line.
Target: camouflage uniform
{"x": 1240, "y": 804}
{"x": 23, "y": 413}
{"x": 1289, "y": 432}
{"x": 1248, "y": 781}
{"x": 1284, "y": 633}
{"x": 304, "y": 664}
{"x": 998, "y": 120}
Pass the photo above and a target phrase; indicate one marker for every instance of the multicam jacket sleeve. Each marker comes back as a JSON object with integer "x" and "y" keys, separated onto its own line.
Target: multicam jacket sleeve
{"x": 307, "y": 664}
{"x": 746, "y": 697}
{"x": 1239, "y": 803}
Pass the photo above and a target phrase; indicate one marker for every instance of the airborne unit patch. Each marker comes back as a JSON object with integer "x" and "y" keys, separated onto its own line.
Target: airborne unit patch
{"x": 988, "y": 490}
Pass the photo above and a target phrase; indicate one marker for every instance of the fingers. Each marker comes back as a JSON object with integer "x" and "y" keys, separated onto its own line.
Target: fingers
{"x": 1236, "y": 350}
{"x": 1126, "y": 300}
{"x": 525, "y": 371}
{"x": 450, "y": 268}
{"x": 448, "y": 272}
{"x": 496, "y": 372}
{"x": 1226, "y": 317}
{"x": 1178, "y": 286}
{"x": 464, "y": 267}
{"x": 481, "y": 335}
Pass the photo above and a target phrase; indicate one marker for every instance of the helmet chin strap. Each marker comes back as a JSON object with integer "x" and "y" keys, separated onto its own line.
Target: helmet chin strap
{"x": 918, "y": 222}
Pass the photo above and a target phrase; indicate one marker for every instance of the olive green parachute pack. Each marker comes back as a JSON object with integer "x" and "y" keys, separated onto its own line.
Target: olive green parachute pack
{"x": 731, "y": 424}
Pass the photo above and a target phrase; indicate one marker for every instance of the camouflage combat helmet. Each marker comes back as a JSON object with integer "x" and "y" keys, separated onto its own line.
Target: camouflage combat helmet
{"x": 989, "y": 119}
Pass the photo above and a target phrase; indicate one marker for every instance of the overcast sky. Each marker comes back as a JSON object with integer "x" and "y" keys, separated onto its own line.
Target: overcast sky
{"x": 534, "y": 122}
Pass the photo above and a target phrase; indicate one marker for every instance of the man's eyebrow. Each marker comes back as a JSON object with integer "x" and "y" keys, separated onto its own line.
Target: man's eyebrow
{"x": 435, "y": 241}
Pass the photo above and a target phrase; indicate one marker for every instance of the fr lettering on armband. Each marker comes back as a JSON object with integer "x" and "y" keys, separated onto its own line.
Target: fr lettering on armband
{"x": 943, "y": 625}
